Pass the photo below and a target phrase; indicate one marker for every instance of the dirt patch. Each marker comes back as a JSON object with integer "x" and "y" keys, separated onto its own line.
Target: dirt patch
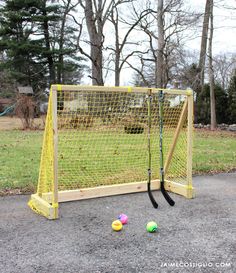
{"x": 14, "y": 123}
{"x": 19, "y": 191}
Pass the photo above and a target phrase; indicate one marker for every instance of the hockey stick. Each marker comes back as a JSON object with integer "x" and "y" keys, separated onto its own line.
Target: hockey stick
{"x": 154, "y": 203}
{"x": 162, "y": 175}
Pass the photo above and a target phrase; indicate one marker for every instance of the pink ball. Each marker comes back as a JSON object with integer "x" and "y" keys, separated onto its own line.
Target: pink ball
{"x": 123, "y": 218}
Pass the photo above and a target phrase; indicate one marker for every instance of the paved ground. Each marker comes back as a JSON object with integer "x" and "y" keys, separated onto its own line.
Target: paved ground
{"x": 196, "y": 235}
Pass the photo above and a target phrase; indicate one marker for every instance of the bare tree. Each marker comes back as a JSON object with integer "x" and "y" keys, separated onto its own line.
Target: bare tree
{"x": 95, "y": 20}
{"x": 46, "y": 31}
{"x": 143, "y": 74}
{"x": 205, "y": 27}
{"x": 120, "y": 59}
{"x": 167, "y": 53}
{"x": 161, "y": 45}
{"x": 224, "y": 65}
{"x": 96, "y": 14}
{"x": 211, "y": 71}
{"x": 25, "y": 109}
{"x": 68, "y": 6}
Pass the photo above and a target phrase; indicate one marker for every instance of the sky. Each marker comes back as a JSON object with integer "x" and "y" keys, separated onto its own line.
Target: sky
{"x": 224, "y": 39}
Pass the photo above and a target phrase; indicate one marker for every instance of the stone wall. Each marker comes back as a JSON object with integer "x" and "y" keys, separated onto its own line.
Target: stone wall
{"x": 223, "y": 126}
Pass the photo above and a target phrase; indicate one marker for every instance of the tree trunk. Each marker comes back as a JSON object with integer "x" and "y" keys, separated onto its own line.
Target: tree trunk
{"x": 211, "y": 71}
{"x": 117, "y": 52}
{"x": 117, "y": 70}
{"x": 205, "y": 28}
{"x": 161, "y": 45}
{"x": 60, "y": 68}
{"x": 95, "y": 30}
{"x": 48, "y": 47}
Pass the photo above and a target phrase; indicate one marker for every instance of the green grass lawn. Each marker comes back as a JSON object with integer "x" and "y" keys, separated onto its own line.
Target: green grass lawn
{"x": 214, "y": 152}
{"x": 19, "y": 160}
{"x": 20, "y": 156}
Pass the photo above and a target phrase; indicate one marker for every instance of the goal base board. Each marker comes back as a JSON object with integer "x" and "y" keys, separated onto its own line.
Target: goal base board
{"x": 42, "y": 205}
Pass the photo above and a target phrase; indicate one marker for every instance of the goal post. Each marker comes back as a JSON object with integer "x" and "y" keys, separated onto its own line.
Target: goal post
{"x": 96, "y": 144}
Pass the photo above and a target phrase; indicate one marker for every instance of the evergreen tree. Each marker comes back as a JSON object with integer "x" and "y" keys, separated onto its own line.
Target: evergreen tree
{"x": 7, "y": 85}
{"x": 67, "y": 63}
{"x": 39, "y": 43}
{"x": 203, "y": 105}
{"x": 17, "y": 27}
{"x": 232, "y": 99}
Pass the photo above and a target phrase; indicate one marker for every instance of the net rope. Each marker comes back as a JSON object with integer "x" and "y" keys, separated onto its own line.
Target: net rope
{"x": 102, "y": 139}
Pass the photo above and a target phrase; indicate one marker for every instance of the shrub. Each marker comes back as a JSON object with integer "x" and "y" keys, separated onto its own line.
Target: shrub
{"x": 25, "y": 109}
{"x": 132, "y": 125}
{"x": 82, "y": 121}
{"x": 134, "y": 129}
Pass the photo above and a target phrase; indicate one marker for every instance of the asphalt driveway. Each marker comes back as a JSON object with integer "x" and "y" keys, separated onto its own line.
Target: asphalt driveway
{"x": 197, "y": 235}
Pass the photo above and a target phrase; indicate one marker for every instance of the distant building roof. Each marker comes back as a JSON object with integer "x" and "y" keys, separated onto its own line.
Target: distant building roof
{"x": 25, "y": 90}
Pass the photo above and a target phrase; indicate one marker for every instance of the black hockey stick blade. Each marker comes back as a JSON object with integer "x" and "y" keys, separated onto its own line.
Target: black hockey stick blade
{"x": 154, "y": 203}
{"x": 166, "y": 195}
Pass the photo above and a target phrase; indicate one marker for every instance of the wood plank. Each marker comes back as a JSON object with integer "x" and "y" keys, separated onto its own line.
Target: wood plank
{"x": 88, "y": 193}
{"x": 181, "y": 189}
{"x": 172, "y": 91}
{"x": 42, "y": 207}
{"x": 190, "y": 141}
{"x": 93, "y": 88}
{"x": 101, "y": 191}
{"x": 119, "y": 89}
{"x": 55, "y": 147}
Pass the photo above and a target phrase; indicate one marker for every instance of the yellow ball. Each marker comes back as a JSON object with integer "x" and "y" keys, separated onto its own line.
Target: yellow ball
{"x": 117, "y": 225}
